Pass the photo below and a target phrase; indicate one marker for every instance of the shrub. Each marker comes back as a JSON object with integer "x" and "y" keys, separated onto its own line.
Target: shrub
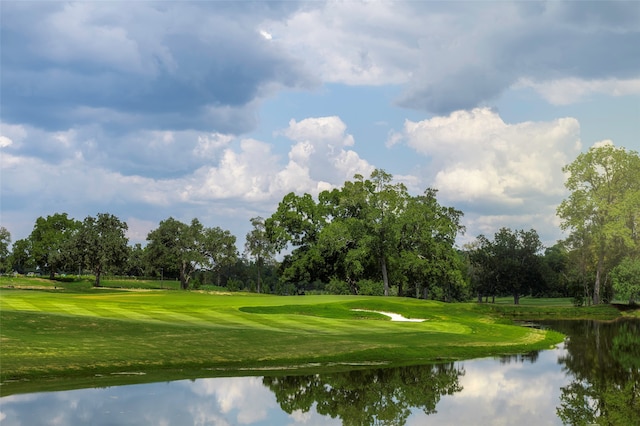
{"x": 337, "y": 286}
{"x": 371, "y": 288}
{"x": 234, "y": 284}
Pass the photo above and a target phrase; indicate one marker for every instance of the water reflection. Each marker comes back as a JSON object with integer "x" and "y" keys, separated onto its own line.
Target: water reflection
{"x": 593, "y": 378}
{"x": 604, "y": 362}
{"x": 376, "y": 396}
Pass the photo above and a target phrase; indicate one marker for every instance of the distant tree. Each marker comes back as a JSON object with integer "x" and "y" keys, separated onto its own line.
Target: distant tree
{"x": 219, "y": 248}
{"x": 363, "y": 233}
{"x": 511, "y": 261}
{"x": 555, "y": 271}
{"x": 178, "y": 249}
{"x": 259, "y": 246}
{"x": 175, "y": 248}
{"x": 102, "y": 243}
{"x": 603, "y": 210}
{"x": 5, "y": 241}
{"x": 51, "y": 240}
{"x": 485, "y": 270}
{"x": 626, "y": 279}
{"x": 425, "y": 246}
{"x": 21, "y": 259}
{"x": 369, "y": 230}
{"x": 136, "y": 261}
{"x": 296, "y": 224}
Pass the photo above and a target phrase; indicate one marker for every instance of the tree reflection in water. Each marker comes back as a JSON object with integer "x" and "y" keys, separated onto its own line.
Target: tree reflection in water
{"x": 604, "y": 360}
{"x": 382, "y": 396}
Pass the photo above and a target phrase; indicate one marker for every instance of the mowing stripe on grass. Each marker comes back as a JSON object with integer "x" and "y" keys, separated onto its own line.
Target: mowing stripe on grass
{"x": 124, "y": 313}
{"x": 74, "y": 309}
{"x": 172, "y": 317}
{"x": 18, "y": 305}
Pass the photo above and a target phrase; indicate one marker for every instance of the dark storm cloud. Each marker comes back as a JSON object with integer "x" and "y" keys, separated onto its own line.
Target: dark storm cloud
{"x": 162, "y": 66}
{"x": 488, "y": 48}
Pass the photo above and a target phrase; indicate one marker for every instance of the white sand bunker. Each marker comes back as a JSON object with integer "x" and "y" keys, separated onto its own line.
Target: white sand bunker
{"x": 394, "y": 317}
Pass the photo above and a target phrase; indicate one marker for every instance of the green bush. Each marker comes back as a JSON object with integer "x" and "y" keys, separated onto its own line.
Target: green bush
{"x": 337, "y": 286}
{"x": 371, "y": 288}
{"x": 65, "y": 279}
{"x": 234, "y": 284}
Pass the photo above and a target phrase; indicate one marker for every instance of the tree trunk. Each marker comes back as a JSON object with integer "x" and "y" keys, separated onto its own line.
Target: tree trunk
{"x": 385, "y": 278}
{"x": 98, "y": 272}
{"x": 516, "y": 298}
{"x": 184, "y": 278}
{"x": 479, "y": 297}
{"x": 596, "y": 287}
{"x": 259, "y": 278}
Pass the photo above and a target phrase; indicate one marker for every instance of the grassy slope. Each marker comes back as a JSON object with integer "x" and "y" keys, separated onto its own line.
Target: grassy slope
{"x": 49, "y": 334}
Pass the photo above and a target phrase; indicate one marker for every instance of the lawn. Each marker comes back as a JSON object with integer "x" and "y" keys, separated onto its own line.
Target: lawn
{"x": 59, "y": 335}
{"x": 49, "y": 335}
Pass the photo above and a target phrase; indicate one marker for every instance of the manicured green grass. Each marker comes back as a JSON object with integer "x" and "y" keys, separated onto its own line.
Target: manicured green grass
{"x": 85, "y": 283}
{"x": 49, "y": 336}
{"x": 537, "y": 301}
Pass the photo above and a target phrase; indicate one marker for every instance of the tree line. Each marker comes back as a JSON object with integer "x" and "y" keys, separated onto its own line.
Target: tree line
{"x": 371, "y": 236}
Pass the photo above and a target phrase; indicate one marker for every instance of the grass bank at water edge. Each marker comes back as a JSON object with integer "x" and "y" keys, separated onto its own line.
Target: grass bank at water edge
{"x": 93, "y": 338}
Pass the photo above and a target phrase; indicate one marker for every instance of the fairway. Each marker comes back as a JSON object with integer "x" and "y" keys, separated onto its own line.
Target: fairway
{"x": 55, "y": 334}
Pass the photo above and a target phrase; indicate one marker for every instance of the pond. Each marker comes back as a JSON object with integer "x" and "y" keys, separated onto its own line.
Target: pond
{"x": 593, "y": 378}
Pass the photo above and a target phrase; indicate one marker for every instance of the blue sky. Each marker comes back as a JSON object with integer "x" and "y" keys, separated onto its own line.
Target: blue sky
{"x": 216, "y": 110}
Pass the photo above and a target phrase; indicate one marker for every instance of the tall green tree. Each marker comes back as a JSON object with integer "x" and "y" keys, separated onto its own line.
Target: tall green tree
{"x": 363, "y": 225}
{"x": 369, "y": 231}
{"x": 102, "y": 243}
{"x": 259, "y": 246}
{"x": 426, "y": 236}
{"x": 5, "y": 242}
{"x": 604, "y": 206}
{"x": 555, "y": 271}
{"x": 175, "y": 248}
{"x": 626, "y": 279}
{"x": 51, "y": 240}
{"x": 136, "y": 264}
{"x": 219, "y": 248}
{"x": 179, "y": 249}
{"x": 511, "y": 261}
{"x": 21, "y": 258}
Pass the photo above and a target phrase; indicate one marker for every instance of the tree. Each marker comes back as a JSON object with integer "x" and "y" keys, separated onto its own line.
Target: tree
{"x": 219, "y": 248}
{"x": 102, "y": 243}
{"x": 259, "y": 246}
{"x": 21, "y": 259}
{"x": 297, "y": 224}
{"x": 427, "y": 256}
{"x": 626, "y": 279}
{"x": 511, "y": 261}
{"x": 51, "y": 242}
{"x": 369, "y": 231}
{"x": 604, "y": 205}
{"x": 363, "y": 225}
{"x": 136, "y": 261}
{"x": 175, "y": 249}
{"x": 554, "y": 269}
{"x": 5, "y": 241}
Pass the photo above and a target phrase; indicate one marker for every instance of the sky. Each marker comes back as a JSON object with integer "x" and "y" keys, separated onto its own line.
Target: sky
{"x": 216, "y": 110}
